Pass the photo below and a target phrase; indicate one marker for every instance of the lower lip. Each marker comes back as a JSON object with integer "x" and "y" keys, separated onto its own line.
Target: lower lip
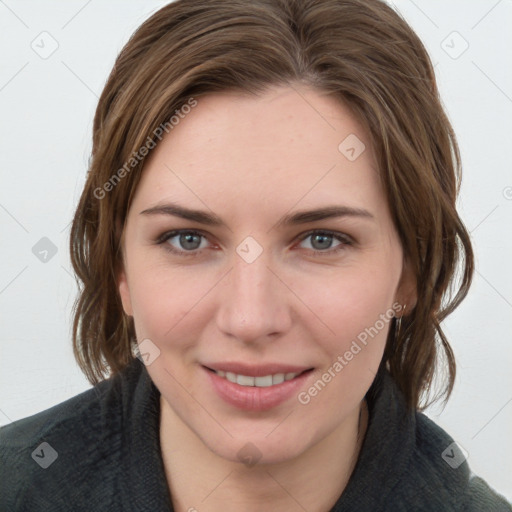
{"x": 252, "y": 398}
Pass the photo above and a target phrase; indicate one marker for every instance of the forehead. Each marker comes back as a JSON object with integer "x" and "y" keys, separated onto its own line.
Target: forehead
{"x": 284, "y": 145}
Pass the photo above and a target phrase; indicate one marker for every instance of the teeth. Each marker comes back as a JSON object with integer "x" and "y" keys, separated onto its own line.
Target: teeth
{"x": 278, "y": 378}
{"x": 244, "y": 380}
{"x": 263, "y": 382}
{"x": 260, "y": 382}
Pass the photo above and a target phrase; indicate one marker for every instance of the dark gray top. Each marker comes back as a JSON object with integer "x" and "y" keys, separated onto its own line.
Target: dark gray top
{"x": 100, "y": 450}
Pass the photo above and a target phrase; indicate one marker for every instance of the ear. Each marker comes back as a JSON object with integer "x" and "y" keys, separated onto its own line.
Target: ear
{"x": 124, "y": 292}
{"x": 122, "y": 280}
{"x": 407, "y": 292}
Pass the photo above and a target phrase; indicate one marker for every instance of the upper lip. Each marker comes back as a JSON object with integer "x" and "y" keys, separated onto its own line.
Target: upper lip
{"x": 260, "y": 370}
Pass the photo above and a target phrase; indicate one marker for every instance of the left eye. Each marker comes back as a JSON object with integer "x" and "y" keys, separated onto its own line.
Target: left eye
{"x": 322, "y": 241}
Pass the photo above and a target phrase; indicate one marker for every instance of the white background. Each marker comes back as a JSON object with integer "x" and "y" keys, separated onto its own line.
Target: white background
{"x": 47, "y": 107}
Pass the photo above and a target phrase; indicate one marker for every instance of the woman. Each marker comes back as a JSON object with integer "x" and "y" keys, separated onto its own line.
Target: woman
{"x": 266, "y": 243}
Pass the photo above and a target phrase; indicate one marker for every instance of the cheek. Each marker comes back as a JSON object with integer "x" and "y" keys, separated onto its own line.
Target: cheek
{"x": 358, "y": 308}
{"x": 165, "y": 300}
{"x": 352, "y": 305}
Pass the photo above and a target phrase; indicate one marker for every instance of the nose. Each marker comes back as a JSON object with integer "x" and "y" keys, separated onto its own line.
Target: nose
{"x": 254, "y": 305}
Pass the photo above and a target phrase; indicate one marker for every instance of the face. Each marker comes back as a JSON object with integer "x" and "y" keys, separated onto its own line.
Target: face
{"x": 290, "y": 265}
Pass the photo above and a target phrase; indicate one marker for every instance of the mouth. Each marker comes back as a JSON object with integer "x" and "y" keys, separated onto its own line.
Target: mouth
{"x": 257, "y": 393}
{"x": 263, "y": 381}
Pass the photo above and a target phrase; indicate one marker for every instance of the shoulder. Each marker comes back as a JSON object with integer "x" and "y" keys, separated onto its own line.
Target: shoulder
{"x": 44, "y": 453}
{"x": 24, "y": 432}
{"x": 440, "y": 468}
{"x": 416, "y": 463}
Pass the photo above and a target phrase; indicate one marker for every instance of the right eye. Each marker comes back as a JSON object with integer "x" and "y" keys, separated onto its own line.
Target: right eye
{"x": 184, "y": 242}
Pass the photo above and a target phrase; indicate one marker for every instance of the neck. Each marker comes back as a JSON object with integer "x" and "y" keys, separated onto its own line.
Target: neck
{"x": 200, "y": 480}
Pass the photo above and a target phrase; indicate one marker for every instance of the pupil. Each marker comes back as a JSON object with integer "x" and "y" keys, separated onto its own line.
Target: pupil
{"x": 187, "y": 241}
{"x": 324, "y": 241}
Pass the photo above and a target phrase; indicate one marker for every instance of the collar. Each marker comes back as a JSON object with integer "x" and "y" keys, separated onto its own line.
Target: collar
{"x": 387, "y": 448}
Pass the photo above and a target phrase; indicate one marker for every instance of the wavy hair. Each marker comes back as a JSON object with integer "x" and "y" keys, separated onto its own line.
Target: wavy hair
{"x": 362, "y": 52}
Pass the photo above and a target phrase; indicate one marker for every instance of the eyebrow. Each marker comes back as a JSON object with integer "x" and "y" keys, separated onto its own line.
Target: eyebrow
{"x": 290, "y": 219}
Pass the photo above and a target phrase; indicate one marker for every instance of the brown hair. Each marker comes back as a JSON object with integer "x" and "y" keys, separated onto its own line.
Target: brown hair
{"x": 361, "y": 51}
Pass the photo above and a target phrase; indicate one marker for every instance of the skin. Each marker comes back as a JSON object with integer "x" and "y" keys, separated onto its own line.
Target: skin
{"x": 250, "y": 160}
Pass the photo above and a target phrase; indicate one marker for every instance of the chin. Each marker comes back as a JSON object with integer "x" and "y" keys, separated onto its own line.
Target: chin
{"x": 256, "y": 452}
{"x": 251, "y": 448}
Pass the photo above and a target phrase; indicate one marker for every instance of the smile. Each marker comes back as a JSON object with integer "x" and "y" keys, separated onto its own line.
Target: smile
{"x": 260, "y": 382}
{"x": 257, "y": 392}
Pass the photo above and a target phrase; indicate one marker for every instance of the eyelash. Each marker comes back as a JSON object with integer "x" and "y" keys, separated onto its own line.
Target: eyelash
{"x": 344, "y": 239}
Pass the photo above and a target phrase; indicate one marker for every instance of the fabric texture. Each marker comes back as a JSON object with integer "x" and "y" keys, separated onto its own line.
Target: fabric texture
{"x": 100, "y": 451}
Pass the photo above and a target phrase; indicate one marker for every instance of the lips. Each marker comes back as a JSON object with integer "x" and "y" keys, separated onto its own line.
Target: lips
{"x": 248, "y": 390}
